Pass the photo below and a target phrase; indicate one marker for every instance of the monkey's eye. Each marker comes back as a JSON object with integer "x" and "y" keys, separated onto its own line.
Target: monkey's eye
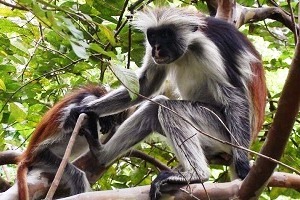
{"x": 165, "y": 34}
{"x": 194, "y": 28}
{"x": 151, "y": 35}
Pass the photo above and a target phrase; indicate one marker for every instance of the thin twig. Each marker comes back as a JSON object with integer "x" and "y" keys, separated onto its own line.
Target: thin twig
{"x": 31, "y": 56}
{"x": 190, "y": 193}
{"x": 122, "y": 14}
{"x": 13, "y": 6}
{"x": 129, "y": 39}
{"x": 80, "y": 121}
{"x": 134, "y": 5}
{"x": 147, "y": 158}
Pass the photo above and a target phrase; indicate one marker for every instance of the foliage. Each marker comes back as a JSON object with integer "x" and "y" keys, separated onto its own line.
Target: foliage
{"x": 47, "y": 49}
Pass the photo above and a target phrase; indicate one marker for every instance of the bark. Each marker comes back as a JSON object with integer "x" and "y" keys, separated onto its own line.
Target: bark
{"x": 240, "y": 15}
{"x": 249, "y": 15}
{"x": 225, "y": 10}
{"x": 216, "y": 191}
{"x": 288, "y": 107}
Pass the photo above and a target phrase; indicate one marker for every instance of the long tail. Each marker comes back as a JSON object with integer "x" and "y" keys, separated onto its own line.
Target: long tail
{"x": 22, "y": 181}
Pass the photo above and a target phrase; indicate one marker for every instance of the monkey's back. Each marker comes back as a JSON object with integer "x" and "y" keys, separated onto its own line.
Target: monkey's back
{"x": 51, "y": 124}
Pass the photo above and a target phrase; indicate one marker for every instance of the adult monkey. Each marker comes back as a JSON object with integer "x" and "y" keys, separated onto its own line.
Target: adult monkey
{"x": 219, "y": 76}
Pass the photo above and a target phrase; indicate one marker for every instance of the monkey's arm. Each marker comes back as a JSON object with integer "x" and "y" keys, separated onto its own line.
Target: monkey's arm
{"x": 150, "y": 80}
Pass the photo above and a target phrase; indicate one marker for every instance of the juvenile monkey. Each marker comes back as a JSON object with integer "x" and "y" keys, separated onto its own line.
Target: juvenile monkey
{"x": 50, "y": 138}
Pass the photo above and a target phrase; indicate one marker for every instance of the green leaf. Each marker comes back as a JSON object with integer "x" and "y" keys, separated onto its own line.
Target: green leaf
{"x": 79, "y": 47}
{"x": 7, "y": 26}
{"x": 81, "y": 66}
{"x": 108, "y": 9}
{"x": 108, "y": 34}
{"x": 2, "y": 85}
{"x": 17, "y": 112}
{"x": 75, "y": 32}
{"x": 53, "y": 39}
{"x": 2, "y": 139}
{"x": 99, "y": 49}
{"x": 39, "y": 12}
{"x": 19, "y": 45}
{"x": 128, "y": 78}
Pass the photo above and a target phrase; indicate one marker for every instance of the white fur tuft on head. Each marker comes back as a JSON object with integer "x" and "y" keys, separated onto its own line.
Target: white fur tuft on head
{"x": 154, "y": 17}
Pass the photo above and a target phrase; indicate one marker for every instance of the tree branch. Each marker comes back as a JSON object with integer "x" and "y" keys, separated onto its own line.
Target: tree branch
{"x": 225, "y": 10}
{"x": 13, "y": 6}
{"x": 248, "y": 15}
{"x": 147, "y": 158}
{"x": 241, "y": 15}
{"x": 215, "y": 190}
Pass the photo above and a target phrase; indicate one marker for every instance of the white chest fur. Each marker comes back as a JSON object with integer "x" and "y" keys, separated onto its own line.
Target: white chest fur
{"x": 191, "y": 79}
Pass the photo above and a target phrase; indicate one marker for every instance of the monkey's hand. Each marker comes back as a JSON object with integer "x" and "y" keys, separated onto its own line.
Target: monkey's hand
{"x": 89, "y": 129}
{"x": 72, "y": 116}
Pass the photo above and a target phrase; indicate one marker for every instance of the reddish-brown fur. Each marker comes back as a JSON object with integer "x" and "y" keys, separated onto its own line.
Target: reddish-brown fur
{"x": 48, "y": 126}
{"x": 258, "y": 92}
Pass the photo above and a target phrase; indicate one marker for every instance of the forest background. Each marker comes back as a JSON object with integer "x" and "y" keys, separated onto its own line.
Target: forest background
{"x": 48, "y": 48}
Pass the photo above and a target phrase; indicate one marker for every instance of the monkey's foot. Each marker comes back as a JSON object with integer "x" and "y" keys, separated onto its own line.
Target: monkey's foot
{"x": 160, "y": 180}
{"x": 168, "y": 181}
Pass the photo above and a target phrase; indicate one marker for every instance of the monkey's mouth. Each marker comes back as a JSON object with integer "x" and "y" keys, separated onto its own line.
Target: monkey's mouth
{"x": 162, "y": 60}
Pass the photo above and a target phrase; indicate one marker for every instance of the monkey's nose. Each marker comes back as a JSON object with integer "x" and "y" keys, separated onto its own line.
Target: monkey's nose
{"x": 157, "y": 47}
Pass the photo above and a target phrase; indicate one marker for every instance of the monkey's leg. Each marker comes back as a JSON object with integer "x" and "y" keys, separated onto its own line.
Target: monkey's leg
{"x": 73, "y": 178}
{"x": 238, "y": 122}
{"x": 188, "y": 143}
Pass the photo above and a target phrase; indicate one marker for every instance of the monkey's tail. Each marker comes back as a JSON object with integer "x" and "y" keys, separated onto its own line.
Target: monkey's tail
{"x": 21, "y": 181}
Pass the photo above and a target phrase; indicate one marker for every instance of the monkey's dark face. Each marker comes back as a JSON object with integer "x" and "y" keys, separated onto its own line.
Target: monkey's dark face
{"x": 166, "y": 45}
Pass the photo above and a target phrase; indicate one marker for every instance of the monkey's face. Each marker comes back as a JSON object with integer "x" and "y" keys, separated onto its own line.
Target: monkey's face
{"x": 165, "y": 43}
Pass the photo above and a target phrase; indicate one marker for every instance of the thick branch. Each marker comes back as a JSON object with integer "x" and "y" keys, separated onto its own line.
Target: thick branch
{"x": 225, "y": 10}
{"x": 242, "y": 15}
{"x": 214, "y": 190}
{"x": 288, "y": 107}
{"x": 248, "y": 15}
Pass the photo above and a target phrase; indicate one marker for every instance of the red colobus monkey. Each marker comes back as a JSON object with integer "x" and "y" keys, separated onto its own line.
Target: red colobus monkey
{"x": 49, "y": 141}
{"x": 219, "y": 76}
